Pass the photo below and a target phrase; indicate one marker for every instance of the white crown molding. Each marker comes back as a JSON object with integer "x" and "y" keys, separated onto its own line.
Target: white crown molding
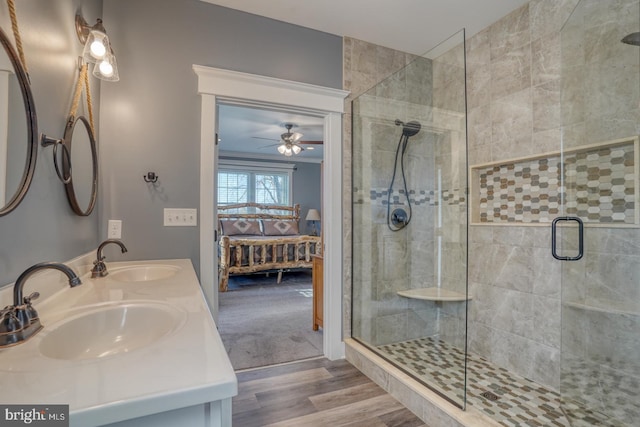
{"x": 234, "y": 84}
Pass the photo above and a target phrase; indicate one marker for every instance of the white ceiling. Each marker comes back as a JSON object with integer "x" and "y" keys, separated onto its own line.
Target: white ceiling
{"x": 413, "y": 26}
{"x": 256, "y": 132}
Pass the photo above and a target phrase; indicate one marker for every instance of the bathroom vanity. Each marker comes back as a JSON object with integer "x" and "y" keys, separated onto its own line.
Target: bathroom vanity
{"x": 135, "y": 348}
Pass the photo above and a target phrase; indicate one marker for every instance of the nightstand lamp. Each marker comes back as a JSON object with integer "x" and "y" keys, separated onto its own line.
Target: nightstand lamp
{"x": 313, "y": 215}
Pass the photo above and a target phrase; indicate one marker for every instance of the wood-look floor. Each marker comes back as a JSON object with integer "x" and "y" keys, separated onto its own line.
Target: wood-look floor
{"x": 315, "y": 393}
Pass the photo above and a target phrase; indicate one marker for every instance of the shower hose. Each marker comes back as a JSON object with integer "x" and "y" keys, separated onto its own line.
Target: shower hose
{"x": 399, "y": 224}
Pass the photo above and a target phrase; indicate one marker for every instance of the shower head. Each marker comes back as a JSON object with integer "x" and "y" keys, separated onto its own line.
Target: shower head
{"x": 632, "y": 39}
{"x": 409, "y": 129}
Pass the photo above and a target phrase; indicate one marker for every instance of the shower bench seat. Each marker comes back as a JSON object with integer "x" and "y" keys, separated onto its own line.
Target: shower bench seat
{"x": 434, "y": 294}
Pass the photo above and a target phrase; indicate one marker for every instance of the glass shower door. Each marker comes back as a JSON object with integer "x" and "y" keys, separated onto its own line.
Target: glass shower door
{"x": 409, "y": 277}
{"x": 600, "y": 369}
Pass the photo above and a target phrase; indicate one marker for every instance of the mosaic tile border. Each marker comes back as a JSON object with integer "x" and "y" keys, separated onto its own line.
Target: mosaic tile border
{"x": 602, "y": 180}
{"x": 378, "y": 196}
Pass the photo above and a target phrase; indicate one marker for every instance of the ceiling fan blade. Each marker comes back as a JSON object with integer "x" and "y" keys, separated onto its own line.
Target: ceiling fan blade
{"x": 269, "y": 146}
{"x": 268, "y": 139}
{"x": 311, "y": 142}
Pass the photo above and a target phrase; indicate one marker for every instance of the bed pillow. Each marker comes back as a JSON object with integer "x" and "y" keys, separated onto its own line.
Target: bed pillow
{"x": 280, "y": 228}
{"x": 240, "y": 227}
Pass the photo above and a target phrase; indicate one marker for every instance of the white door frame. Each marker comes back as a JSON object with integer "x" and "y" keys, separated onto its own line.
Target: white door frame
{"x": 214, "y": 85}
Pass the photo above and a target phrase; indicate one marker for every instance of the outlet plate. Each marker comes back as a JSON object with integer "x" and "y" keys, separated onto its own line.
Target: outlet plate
{"x": 180, "y": 217}
{"x": 114, "y": 229}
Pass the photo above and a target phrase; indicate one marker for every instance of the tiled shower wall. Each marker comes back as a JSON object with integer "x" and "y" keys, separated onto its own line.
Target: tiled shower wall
{"x": 514, "y": 110}
{"x": 384, "y": 261}
{"x": 601, "y": 296}
{"x": 513, "y": 88}
{"x": 365, "y": 65}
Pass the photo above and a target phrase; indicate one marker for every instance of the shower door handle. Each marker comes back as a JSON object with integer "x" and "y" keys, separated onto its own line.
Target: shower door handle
{"x": 554, "y": 225}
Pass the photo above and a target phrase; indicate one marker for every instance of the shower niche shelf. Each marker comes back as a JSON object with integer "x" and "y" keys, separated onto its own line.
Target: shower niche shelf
{"x": 434, "y": 294}
{"x": 598, "y": 183}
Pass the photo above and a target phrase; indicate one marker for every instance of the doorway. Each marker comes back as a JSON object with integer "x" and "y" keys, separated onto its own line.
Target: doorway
{"x": 216, "y": 85}
{"x": 266, "y": 303}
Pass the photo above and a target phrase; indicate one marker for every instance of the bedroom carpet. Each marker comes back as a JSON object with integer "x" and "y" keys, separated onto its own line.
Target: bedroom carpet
{"x": 262, "y": 323}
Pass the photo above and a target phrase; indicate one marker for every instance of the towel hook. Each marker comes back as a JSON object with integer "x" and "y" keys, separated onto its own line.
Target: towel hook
{"x": 150, "y": 177}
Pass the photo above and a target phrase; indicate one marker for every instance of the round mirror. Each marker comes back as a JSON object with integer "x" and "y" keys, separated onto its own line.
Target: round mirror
{"x": 82, "y": 189}
{"x": 18, "y": 129}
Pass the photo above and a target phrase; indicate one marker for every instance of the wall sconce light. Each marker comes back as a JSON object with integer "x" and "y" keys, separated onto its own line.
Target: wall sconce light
{"x": 313, "y": 215}
{"x": 97, "y": 49}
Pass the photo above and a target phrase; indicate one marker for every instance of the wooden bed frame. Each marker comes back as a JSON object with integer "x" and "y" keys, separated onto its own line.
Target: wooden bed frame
{"x": 251, "y": 254}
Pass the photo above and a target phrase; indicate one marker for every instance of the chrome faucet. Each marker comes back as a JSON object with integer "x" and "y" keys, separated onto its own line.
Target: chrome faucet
{"x": 20, "y": 321}
{"x": 99, "y": 268}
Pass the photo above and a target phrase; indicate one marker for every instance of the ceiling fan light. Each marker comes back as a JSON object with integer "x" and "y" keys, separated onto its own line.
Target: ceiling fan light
{"x": 282, "y": 148}
{"x": 296, "y": 149}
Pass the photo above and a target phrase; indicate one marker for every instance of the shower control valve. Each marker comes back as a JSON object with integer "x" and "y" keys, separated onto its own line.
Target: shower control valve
{"x": 399, "y": 217}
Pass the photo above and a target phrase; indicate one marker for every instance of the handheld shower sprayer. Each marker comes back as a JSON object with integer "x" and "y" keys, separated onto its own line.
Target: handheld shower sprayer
{"x": 399, "y": 218}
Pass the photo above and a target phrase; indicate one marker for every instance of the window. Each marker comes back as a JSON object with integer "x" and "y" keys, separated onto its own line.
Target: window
{"x": 242, "y": 182}
{"x": 271, "y": 188}
{"x": 233, "y": 187}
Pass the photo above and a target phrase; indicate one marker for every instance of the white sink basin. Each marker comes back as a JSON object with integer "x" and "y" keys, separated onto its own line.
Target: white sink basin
{"x": 110, "y": 330}
{"x": 144, "y": 273}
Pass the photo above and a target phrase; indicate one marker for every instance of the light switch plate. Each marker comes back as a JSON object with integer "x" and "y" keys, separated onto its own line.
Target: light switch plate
{"x": 180, "y": 217}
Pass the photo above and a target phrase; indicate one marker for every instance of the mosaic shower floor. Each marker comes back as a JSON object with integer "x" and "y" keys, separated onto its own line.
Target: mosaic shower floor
{"x": 520, "y": 402}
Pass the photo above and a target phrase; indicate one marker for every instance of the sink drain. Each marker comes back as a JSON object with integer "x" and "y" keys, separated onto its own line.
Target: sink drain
{"x": 490, "y": 396}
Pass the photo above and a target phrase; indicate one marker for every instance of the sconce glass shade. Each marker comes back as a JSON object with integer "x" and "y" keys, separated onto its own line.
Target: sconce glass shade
{"x": 96, "y": 47}
{"x": 107, "y": 68}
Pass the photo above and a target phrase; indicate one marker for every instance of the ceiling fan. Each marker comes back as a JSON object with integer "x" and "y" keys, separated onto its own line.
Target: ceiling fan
{"x": 290, "y": 142}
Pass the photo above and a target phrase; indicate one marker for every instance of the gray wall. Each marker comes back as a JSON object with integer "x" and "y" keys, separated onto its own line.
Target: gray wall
{"x": 306, "y": 192}
{"x": 151, "y": 119}
{"x": 43, "y": 227}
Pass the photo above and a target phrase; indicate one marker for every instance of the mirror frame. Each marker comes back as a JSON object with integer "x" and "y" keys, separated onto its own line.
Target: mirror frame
{"x": 66, "y": 166}
{"x": 32, "y": 127}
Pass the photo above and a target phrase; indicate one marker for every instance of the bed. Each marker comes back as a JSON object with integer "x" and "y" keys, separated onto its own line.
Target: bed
{"x": 256, "y": 238}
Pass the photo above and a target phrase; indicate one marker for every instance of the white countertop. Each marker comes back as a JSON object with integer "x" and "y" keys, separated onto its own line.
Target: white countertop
{"x": 189, "y": 366}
